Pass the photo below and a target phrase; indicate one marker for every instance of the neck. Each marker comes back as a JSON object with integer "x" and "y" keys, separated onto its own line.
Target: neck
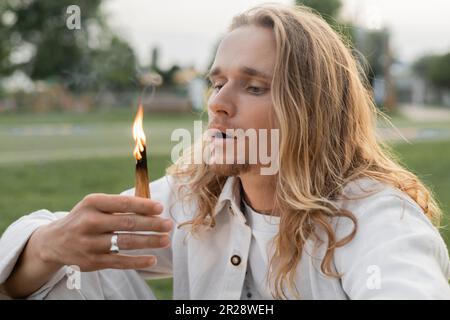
{"x": 259, "y": 191}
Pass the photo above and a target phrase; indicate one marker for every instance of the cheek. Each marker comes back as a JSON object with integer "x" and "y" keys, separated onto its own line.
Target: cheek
{"x": 257, "y": 113}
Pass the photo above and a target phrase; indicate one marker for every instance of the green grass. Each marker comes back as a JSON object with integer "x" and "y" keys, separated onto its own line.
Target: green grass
{"x": 59, "y": 185}
{"x": 122, "y": 115}
{"x": 55, "y": 169}
{"x": 27, "y": 138}
{"x": 401, "y": 121}
{"x": 431, "y": 162}
{"x": 53, "y": 161}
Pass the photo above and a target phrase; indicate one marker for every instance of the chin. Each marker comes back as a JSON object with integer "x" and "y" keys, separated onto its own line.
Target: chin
{"x": 228, "y": 170}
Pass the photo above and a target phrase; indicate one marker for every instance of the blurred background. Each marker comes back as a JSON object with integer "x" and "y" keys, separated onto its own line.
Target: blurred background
{"x": 71, "y": 73}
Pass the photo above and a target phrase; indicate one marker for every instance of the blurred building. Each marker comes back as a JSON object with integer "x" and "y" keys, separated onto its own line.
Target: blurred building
{"x": 415, "y": 90}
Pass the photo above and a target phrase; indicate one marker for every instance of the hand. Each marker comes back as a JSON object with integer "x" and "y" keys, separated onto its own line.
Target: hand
{"x": 83, "y": 237}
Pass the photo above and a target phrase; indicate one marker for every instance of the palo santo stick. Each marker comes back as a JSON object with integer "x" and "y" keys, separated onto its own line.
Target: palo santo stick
{"x": 142, "y": 188}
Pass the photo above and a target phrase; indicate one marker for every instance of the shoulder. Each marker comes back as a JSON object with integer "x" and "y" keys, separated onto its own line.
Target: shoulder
{"x": 392, "y": 230}
{"x": 373, "y": 201}
{"x": 381, "y": 210}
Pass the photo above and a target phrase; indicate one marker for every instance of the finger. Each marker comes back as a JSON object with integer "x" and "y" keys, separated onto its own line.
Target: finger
{"x": 131, "y": 222}
{"x": 127, "y": 241}
{"x": 122, "y": 261}
{"x": 109, "y": 203}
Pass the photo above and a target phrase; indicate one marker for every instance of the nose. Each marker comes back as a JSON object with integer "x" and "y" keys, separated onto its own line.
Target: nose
{"x": 221, "y": 102}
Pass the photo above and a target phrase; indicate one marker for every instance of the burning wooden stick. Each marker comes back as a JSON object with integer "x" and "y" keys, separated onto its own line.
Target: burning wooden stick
{"x": 142, "y": 188}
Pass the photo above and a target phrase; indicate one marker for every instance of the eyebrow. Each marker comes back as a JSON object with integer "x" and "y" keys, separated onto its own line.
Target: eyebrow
{"x": 244, "y": 70}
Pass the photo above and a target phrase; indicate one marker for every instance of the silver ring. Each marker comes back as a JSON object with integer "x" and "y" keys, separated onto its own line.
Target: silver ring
{"x": 114, "y": 246}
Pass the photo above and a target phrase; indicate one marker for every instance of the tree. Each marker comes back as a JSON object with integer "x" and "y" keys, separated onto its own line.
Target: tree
{"x": 328, "y": 9}
{"x": 6, "y": 42}
{"x": 440, "y": 71}
{"x": 435, "y": 68}
{"x": 78, "y": 58}
{"x": 373, "y": 44}
{"x": 167, "y": 75}
{"x": 422, "y": 65}
{"x": 115, "y": 66}
{"x": 41, "y": 25}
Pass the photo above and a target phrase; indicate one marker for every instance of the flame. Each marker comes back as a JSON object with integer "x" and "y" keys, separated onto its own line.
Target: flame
{"x": 138, "y": 133}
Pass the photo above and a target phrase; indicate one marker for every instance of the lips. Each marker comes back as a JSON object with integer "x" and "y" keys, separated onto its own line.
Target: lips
{"x": 220, "y": 133}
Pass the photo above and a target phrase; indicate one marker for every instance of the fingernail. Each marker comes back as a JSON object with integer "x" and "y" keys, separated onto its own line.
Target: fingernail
{"x": 158, "y": 207}
{"x": 167, "y": 224}
{"x": 151, "y": 261}
{"x": 164, "y": 241}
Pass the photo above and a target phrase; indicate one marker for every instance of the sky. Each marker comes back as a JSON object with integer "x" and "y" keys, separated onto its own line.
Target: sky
{"x": 187, "y": 31}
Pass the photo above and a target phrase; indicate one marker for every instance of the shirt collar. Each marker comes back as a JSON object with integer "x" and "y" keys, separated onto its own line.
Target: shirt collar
{"x": 230, "y": 195}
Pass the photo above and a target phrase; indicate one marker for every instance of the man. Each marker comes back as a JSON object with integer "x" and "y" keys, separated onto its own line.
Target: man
{"x": 338, "y": 220}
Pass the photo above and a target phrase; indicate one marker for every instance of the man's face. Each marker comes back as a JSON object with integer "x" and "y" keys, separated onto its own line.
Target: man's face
{"x": 241, "y": 76}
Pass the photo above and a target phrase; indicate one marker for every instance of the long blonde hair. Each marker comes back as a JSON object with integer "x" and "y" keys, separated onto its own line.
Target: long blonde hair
{"x": 327, "y": 119}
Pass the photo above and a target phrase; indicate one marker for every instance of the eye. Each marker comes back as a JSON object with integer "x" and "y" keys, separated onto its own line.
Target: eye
{"x": 217, "y": 87}
{"x": 256, "y": 90}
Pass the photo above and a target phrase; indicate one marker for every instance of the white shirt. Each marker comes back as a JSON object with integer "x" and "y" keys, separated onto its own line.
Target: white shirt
{"x": 395, "y": 243}
{"x": 264, "y": 229}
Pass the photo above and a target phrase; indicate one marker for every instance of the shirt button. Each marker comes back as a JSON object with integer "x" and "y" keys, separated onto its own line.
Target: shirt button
{"x": 235, "y": 260}
{"x": 249, "y": 295}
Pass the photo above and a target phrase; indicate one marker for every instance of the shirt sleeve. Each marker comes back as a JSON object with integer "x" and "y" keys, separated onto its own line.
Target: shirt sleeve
{"x": 396, "y": 253}
{"x": 16, "y": 236}
{"x": 14, "y": 240}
